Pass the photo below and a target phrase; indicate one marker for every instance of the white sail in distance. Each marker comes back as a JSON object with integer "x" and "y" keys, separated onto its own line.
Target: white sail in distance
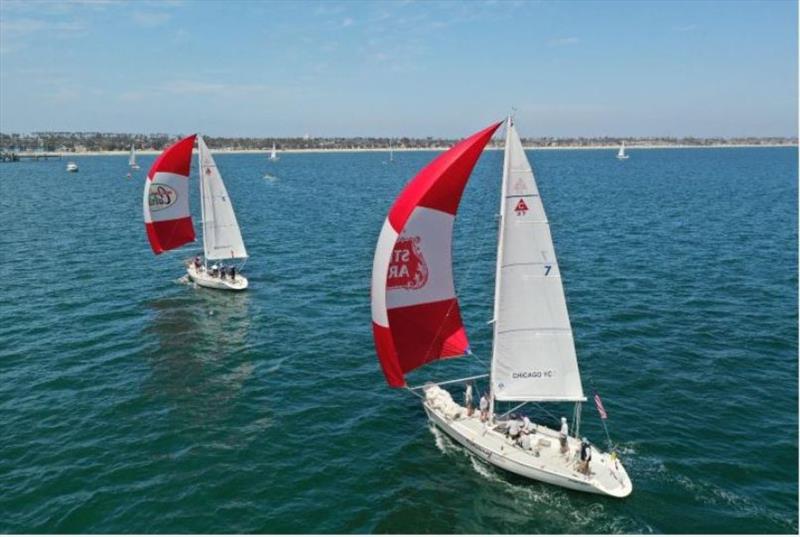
{"x": 621, "y": 152}
{"x": 222, "y": 238}
{"x": 132, "y": 158}
{"x": 533, "y": 354}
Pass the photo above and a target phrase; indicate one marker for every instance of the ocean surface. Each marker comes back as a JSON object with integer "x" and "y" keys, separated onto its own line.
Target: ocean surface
{"x": 132, "y": 402}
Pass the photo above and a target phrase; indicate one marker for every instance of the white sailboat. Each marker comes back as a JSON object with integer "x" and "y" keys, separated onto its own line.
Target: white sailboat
{"x": 222, "y": 238}
{"x": 416, "y": 319}
{"x": 132, "y": 159}
{"x": 273, "y": 155}
{"x": 391, "y": 152}
{"x": 168, "y": 220}
{"x": 621, "y": 154}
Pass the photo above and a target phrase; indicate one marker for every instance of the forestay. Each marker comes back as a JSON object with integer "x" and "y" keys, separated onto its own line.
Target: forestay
{"x": 222, "y": 238}
{"x": 166, "y": 198}
{"x": 415, "y": 313}
{"x": 533, "y": 355}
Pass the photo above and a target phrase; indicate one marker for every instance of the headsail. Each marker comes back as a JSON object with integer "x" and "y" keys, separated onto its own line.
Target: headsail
{"x": 166, "y": 198}
{"x": 533, "y": 355}
{"x": 415, "y": 313}
{"x": 222, "y": 238}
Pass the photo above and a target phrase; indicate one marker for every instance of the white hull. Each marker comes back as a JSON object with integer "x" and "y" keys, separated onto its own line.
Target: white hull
{"x": 204, "y": 279}
{"x": 607, "y": 475}
{"x": 622, "y": 157}
{"x": 72, "y": 167}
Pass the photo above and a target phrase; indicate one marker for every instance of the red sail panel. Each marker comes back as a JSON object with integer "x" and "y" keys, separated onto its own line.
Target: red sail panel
{"x": 415, "y": 314}
{"x": 167, "y": 219}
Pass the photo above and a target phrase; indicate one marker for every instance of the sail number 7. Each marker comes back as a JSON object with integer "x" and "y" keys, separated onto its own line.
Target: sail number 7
{"x": 547, "y": 269}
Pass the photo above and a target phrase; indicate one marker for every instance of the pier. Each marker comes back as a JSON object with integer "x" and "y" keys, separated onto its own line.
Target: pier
{"x": 11, "y": 156}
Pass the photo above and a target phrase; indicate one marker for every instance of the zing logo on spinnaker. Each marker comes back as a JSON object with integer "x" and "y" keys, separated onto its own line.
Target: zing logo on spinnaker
{"x": 161, "y": 197}
{"x": 407, "y": 268}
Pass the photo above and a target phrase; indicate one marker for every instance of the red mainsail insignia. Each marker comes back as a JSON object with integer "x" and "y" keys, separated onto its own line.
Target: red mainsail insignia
{"x": 407, "y": 268}
{"x": 521, "y": 207}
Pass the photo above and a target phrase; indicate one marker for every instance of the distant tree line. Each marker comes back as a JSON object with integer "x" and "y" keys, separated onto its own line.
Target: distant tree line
{"x": 67, "y": 142}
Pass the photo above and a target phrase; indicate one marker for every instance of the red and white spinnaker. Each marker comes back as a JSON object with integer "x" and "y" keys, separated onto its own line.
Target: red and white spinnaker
{"x": 166, "y": 198}
{"x": 415, "y": 313}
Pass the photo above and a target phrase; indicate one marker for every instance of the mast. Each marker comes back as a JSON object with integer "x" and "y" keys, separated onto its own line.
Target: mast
{"x": 200, "y": 174}
{"x": 498, "y": 265}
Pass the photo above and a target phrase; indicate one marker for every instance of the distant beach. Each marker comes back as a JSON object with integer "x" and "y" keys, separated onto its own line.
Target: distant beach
{"x": 409, "y": 149}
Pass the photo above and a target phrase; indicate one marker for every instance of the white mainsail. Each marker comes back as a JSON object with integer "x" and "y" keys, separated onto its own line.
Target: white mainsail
{"x": 222, "y": 238}
{"x": 533, "y": 354}
{"x": 274, "y": 154}
{"x": 621, "y": 153}
{"x": 132, "y": 158}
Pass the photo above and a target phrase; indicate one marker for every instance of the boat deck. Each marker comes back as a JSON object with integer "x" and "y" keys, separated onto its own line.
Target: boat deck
{"x": 606, "y": 473}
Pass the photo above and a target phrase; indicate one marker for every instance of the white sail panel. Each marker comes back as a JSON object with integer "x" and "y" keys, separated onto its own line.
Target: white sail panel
{"x": 533, "y": 356}
{"x": 132, "y": 158}
{"x": 222, "y": 238}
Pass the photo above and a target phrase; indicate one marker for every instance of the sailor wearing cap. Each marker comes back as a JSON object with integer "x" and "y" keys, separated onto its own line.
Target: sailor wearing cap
{"x": 562, "y": 435}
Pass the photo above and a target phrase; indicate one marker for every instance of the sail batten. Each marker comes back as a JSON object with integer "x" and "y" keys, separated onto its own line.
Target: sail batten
{"x": 533, "y": 354}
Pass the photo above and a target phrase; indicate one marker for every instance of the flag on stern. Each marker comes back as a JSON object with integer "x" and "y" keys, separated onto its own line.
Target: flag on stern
{"x": 600, "y": 408}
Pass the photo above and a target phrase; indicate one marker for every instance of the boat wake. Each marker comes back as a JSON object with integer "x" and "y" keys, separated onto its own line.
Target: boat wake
{"x": 443, "y": 443}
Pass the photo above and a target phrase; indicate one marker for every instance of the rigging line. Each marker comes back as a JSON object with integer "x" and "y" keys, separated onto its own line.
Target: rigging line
{"x": 470, "y": 269}
{"x": 469, "y": 272}
{"x": 412, "y": 390}
{"x": 515, "y": 408}
{"x": 602, "y": 421}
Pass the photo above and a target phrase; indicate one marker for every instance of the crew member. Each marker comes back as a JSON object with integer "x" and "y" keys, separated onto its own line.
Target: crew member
{"x": 484, "y": 405}
{"x": 513, "y": 428}
{"x": 525, "y": 440}
{"x": 562, "y": 435}
{"x": 586, "y": 455}
{"x": 468, "y": 398}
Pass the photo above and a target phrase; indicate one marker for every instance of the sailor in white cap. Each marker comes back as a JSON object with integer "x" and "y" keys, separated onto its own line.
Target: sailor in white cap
{"x": 562, "y": 435}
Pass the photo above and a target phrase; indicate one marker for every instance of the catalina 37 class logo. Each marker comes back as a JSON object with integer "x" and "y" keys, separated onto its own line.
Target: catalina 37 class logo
{"x": 161, "y": 196}
{"x": 407, "y": 268}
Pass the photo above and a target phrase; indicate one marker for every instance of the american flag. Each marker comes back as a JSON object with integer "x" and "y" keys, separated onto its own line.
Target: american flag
{"x": 600, "y": 408}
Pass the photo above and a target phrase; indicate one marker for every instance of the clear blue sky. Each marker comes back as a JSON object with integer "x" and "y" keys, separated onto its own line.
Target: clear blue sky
{"x": 239, "y": 68}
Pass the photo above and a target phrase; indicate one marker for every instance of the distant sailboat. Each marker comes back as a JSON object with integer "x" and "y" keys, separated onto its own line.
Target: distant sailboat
{"x": 621, "y": 154}
{"x": 416, "y": 319}
{"x": 168, "y": 220}
{"x": 132, "y": 159}
{"x": 273, "y": 155}
{"x": 391, "y": 152}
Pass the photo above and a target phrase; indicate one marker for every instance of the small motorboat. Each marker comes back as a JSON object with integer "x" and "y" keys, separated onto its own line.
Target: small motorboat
{"x": 72, "y": 167}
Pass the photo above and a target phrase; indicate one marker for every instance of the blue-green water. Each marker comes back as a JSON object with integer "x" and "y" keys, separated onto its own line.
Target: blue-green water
{"x": 132, "y": 403}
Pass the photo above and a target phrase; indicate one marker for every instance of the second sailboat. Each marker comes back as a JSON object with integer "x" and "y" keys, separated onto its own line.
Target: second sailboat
{"x": 169, "y": 223}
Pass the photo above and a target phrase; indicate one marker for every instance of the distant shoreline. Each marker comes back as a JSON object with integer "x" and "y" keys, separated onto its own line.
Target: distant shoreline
{"x": 409, "y": 149}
